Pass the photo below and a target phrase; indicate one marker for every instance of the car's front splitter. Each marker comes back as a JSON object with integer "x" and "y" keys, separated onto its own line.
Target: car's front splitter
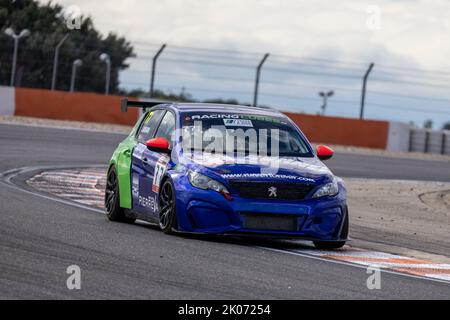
{"x": 205, "y": 211}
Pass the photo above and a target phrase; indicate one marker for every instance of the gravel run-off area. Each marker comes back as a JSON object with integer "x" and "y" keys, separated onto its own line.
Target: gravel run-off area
{"x": 409, "y": 217}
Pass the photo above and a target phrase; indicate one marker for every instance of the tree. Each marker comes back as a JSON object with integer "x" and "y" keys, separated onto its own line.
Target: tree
{"x": 36, "y": 52}
{"x": 428, "y": 124}
{"x": 159, "y": 95}
{"x": 446, "y": 126}
{"x": 222, "y": 101}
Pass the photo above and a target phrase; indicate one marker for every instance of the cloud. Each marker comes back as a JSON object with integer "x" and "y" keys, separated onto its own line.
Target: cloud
{"x": 415, "y": 30}
{"x": 409, "y": 34}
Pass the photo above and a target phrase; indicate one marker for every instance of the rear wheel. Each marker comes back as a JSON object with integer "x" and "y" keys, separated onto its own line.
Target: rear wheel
{"x": 112, "y": 200}
{"x": 325, "y": 245}
{"x": 167, "y": 209}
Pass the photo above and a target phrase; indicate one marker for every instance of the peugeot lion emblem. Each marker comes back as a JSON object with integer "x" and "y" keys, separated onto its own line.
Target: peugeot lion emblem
{"x": 272, "y": 192}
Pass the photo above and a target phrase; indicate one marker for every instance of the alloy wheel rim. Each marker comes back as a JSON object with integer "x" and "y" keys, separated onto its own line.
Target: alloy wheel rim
{"x": 110, "y": 193}
{"x": 166, "y": 206}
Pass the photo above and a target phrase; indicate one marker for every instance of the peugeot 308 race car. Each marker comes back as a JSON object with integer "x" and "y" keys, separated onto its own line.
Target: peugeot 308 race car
{"x": 178, "y": 168}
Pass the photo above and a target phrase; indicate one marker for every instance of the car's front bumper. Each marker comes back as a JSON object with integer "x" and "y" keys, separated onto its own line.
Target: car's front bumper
{"x": 204, "y": 211}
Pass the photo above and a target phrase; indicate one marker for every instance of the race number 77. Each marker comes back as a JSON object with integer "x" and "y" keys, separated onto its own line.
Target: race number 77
{"x": 160, "y": 169}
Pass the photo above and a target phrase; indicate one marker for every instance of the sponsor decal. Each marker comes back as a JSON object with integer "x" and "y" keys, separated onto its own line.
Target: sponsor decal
{"x": 262, "y": 118}
{"x": 148, "y": 202}
{"x": 234, "y": 176}
{"x": 238, "y": 123}
{"x": 149, "y": 116}
{"x": 160, "y": 170}
{"x": 139, "y": 151}
{"x": 215, "y": 116}
{"x": 234, "y": 116}
{"x": 135, "y": 185}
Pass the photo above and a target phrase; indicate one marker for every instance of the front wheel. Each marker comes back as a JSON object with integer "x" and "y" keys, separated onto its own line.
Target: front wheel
{"x": 112, "y": 201}
{"x": 167, "y": 208}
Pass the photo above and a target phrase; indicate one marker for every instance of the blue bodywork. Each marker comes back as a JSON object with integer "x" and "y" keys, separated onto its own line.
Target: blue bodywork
{"x": 207, "y": 211}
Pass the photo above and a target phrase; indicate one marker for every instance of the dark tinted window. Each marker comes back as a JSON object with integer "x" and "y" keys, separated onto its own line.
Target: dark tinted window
{"x": 167, "y": 127}
{"x": 149, "y": 125}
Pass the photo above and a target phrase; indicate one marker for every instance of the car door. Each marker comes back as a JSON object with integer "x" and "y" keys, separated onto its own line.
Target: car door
{"x": 141, "y": 170}
{"x": 156, "y": 163}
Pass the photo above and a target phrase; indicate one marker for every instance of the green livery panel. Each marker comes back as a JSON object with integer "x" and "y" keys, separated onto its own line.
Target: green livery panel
{"x": 121, "y": 159}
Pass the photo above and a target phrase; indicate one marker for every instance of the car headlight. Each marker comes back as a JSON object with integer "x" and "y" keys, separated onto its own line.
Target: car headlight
{"x": 329, "y": 189}
{"x": 201, "y": 181}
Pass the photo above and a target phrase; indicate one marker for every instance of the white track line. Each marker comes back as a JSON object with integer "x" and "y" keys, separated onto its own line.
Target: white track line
{"x": 345, "y": 263}
{"x": 10, "y": 174}
{"x": 62, "y": 127}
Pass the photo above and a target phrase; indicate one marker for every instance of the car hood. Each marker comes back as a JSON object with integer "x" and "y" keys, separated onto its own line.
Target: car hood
{"x": 260, "y": 168}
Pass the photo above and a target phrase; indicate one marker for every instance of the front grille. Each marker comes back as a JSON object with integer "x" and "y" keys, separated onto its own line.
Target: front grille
{"x": 270, "y": 222}
{"x": 270, "y": 190}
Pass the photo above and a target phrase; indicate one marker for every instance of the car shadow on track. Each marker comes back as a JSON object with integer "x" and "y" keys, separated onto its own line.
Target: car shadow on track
{"x": 282, "y": 244}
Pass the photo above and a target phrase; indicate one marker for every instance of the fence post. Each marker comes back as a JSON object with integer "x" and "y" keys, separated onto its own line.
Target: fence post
{"x": 363, "y": 93}
{"x": 152, "y": 80}
{"x": 427, "y": 141}
{"x": 444, "y": 142}
{"x": 258, "y": 72}
{"x": 411, "y": 139}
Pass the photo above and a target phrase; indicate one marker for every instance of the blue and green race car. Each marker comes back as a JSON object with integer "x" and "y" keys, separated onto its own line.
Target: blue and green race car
{"x": 228, "y": 170}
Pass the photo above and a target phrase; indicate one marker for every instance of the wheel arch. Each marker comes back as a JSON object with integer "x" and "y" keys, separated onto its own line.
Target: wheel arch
{"x": 165, "y": 178}
{"x": 122, "y": 164}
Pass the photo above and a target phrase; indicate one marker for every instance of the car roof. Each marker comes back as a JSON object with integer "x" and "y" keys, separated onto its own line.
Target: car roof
{"x": 210, "y": 107}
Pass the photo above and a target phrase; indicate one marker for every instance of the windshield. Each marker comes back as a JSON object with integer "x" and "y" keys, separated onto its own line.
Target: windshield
{"x": 227, "y": 133}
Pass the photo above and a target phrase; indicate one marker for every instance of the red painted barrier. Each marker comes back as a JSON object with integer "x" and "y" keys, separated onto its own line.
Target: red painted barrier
{"x": 61, "y": 105}
{"x": 91, "y": 107}
{"x": 343, "y": 131}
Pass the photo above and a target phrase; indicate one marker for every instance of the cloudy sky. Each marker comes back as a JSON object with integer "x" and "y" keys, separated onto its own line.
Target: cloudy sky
{"x": 313, "y": 45}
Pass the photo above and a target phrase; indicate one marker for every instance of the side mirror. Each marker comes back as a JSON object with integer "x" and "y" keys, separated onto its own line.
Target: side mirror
{"x": 158, "y": 144}
{"x": 324, "y": 152}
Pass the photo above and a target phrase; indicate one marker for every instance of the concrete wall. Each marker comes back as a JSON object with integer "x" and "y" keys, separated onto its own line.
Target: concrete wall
{"x": 429, "y": 141}
{"x": 398, "y": 136}
{"x": 7, "y": 101}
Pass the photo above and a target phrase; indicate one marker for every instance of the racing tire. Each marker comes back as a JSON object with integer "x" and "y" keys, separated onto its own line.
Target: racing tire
{"x": 112, "y": 199}
{"x": 167, "y": 212}
{"x": 328, "y": 245}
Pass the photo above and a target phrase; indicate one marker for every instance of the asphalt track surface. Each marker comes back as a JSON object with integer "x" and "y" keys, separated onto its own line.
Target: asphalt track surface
{"x": 40, "y": 238}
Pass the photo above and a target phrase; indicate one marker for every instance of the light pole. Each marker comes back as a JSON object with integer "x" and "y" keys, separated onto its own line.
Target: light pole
{"x": 152, "y": 80}
{"x": 258, "y": 73}
{"x": 10, "y": 32}
{"x": 77, "y": 63}
{"x": 55, "y": 60}
{"x": 105, "y": 58}
{"x": 325, "y": 96}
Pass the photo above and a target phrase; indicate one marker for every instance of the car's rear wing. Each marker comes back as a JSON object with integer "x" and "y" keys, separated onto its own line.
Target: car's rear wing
{"x": 125, "y": 104}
